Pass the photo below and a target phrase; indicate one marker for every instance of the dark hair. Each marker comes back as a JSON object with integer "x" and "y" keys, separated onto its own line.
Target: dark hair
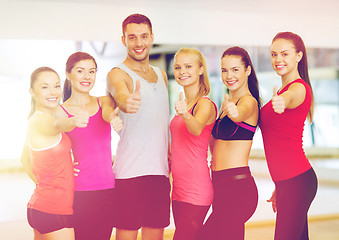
{"x": 71, "y": 61}
{"x": 138, "y": 19}
{"x": 252, "y": 78}
{"x": 34, "y": 76}
{"x": 302, "y": 65}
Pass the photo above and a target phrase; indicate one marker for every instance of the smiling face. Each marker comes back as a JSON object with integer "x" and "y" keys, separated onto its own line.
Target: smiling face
{"x": 82, "y": 75}
{"x": 187, "y": 70}
{"x": 46, "y": 90}
{"x": 284, "y": 57}
{"x": 138, "y": 40}
{"x": 234, "y": 74}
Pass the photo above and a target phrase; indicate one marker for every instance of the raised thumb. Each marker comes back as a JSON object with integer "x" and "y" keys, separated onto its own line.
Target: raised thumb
{"x": 181, "y": 96}
{"x": 226, "y": 98}
{"x": 275, "y": 91}
{"x": 137, "y": 87}
{"x": 115, "y": 112}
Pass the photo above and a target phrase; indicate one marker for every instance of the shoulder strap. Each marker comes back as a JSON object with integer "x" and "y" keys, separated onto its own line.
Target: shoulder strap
{"x": 68, "y": 114}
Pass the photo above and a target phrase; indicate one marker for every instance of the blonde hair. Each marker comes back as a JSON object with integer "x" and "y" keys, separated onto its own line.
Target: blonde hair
{"x": 204, "y": 84}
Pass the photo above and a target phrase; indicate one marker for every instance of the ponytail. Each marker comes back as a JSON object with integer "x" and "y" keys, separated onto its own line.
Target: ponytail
{"x": 67, "y": 90}
{"x": 32, "y": 107}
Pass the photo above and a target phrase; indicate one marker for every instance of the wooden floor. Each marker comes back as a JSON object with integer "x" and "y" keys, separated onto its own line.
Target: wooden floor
{"x": 326, "y": 228}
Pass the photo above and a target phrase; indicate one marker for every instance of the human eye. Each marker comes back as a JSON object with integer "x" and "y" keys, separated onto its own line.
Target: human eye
{"x": 188, "y": 66}
{"x": 145, "y": 36}
{"x": 284, "y": 54}
{"x": 223, "y": 70}
{"x": 273, "y": 54}
{"x": 58, "y": 86}
{"x": 176, "y": 68}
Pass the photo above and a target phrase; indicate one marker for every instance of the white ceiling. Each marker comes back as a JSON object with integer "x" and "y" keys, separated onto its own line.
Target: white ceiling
{"x": 243, "y": 22}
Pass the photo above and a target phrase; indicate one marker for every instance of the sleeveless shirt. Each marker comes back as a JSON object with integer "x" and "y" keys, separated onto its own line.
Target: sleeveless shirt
{"x": 143, "y": 146}
{"x": 191, "y": 174}
{"x": 53, "y": 170}
{"x": 282, "y": 136}
{"x": 91, "y": 147}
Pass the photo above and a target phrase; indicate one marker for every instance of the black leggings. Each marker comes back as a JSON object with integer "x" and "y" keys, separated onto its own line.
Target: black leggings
{"x": 294, "y": 197}
{"x": 188, "y": 219}
{"x": 235, "y": 200}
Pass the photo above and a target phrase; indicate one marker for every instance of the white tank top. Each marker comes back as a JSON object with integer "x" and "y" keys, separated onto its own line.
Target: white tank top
{"x": 143, "y": 145}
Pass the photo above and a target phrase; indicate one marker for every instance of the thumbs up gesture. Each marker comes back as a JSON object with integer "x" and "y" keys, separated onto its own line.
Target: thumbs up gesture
{"x": 181, "y": 105}
{"x": 278, "y": 102}
{"x": 81, "y": 118}
{"x": 116, "y": 121}
{"x": 229, "y": 107}
{"x": 134, "y": 99}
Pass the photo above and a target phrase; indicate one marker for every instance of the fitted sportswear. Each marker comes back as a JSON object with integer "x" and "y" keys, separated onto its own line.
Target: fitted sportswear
{"x": 225, "y": 129}
{"x": 53, "y": 169}
{"x": 191, "y": 174}
{"x": 91, "y": 148}
{"x": 282, "y": 136}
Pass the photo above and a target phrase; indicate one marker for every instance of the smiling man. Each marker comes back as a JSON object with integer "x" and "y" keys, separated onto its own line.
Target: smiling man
{"x": 141, "y": 165}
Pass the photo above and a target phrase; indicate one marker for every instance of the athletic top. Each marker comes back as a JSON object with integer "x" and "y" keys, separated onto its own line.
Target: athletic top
{"x": 282, "y": 136}
{"x": 143, "y": 146}
{"x": 225, "y": 129}
{"x": 53, "y": 169}
{"x": 191, "y": 174}
{"x": 91, "y": 147}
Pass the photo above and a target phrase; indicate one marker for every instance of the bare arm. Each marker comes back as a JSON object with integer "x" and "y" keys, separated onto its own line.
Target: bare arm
{"x": 120, "y": 86}
{"x": 65, "y": 124}
{"x": 292, "y": 98}
{"x": 211, "y": 144}
{"x": 205, "y": 113}
{"x": 246, "y": 109}
{"x": 164, "y": 75}
{"x": 107, "y": 104}
{"x": 110, "y": 113}
{"x": 26, "y": 162}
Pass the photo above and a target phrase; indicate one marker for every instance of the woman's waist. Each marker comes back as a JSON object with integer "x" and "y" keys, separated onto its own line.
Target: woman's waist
{"x": 227, "y": 158}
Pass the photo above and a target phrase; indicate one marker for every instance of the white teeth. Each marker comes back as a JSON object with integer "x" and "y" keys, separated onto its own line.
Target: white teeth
{"x": 85, "y": 83}
{"x": 184, "y": 78}
{"x": 51, "y": 99}
{"x": 231, "y": 82}
{"x": 139, "y": 50}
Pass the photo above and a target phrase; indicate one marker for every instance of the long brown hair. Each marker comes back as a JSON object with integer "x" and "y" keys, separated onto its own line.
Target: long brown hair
{"x": 252, "y": 78}
{"x": 71, "y": 61}
{"x": 302, "y": 65}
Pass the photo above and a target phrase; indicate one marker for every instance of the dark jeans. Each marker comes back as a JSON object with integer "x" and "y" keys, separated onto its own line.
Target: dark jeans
{"x": 294, "y": 197}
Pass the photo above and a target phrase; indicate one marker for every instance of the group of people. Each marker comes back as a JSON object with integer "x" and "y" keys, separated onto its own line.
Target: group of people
{"x": 81, "y": 194}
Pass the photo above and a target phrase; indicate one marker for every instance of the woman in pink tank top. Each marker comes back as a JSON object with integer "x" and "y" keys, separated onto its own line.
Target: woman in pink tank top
{"x": 47, "y": 159}
{"x": 91, "y": 146}
{"x": 191, "y": 129}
